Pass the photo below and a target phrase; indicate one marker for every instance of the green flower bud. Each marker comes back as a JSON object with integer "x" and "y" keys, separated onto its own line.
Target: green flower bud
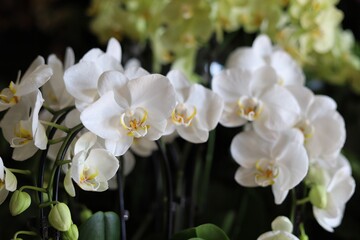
{"x": 19, "y": 202}
{"x": 72, "y": 233}
{"x": 60, "y": 217}
{"x": 318, "y": 196}
{"x": 282, "y": 223}
{"x": 85, "y": 215}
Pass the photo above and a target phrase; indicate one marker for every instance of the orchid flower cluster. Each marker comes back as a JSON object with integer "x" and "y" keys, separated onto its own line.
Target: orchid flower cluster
{"x": 89, "y": 119}
{"x": 309, "y": 30}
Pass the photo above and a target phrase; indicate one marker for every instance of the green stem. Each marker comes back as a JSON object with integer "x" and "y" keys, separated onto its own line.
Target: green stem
{"x": 168, "y": 190}
{"x": 33, "y": 188}
{"x": 303, "y": 201}
{"x": 29, "y": 233}
{"x": 62, "y": 162}
{"x": 207, "y": 171}
{"x": 24, "y": 172}
{"x": 293, "y": 206}
{"x": 55, "y": 141}
{"x": 57, "y": 126}
{"x": 45, "y": 204}
{"x": 60, "y": 156}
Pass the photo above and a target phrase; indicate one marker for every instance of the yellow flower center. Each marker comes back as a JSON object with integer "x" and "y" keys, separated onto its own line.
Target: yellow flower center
{"x": 266, "y": 172}
{"x": 249, "y": 108}
{"x": 306, "y": 128}
{"x": 183, "y": 114}
{"x": 88, "y": 177}
{"x": 7, "y": 95}
{"x": 135, "y": 122}
{"x": 23, "y": 134}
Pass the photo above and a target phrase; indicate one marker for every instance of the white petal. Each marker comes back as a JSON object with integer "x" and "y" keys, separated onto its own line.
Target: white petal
{"x": 208, "y": 104}
{"x": 34, "y": 80}
{"x": 105, "y": 162}
{"x": 135, "y": 72}
{"x": 111, "y": 81}
{"x": 261, "y": 80}
{"x": 245, "y": 177}
{"x": 231, "y": 84}
{"x": 153, "y": 92}
{"x": 245, "y": 58}
{"x": 103, "y": 117}
{"x": 143, "y": 147}
{"x": 193, "y": 133}
{"x": 25, "y": 152}
{"x": 262, "y": 46}
{"x": 81, "y": 81}
{"x": 128, "y": 163}
{"x": 2, "y": 170}
{"x": 230, "y": 116}
{"x": 278, "y": 235}
{"x": 119, "y": 147}
{"x": 39, "y": 60}
{"x": 114, "y": 49}
{"x": 69, "y": 186}
{"x": 279, "y": 193}
{"x": 178, "y": 79}
{"x": 292, "y": 73}
{"x": 320, "y": 105}
{"x": 10, "y": 181}
{"x": 157, "y": 127}
{"x": 85, "y": 142}
{"x": 341, "y": 187}
{"x": 246, "y": 148}
{"x": 303, "y": 95}
{"x": 69, "y": 58}
{"x": 3, "y": 194}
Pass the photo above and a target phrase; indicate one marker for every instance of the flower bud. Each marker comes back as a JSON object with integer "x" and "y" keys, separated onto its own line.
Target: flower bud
{"x": 282, "y": 223}
{"x": 85, "y": 215}
{"x": 318, "y": 196}
{"x": 60, "y": 217}
{"x": 19, "y": 202}
{"x": 72, "y": 233}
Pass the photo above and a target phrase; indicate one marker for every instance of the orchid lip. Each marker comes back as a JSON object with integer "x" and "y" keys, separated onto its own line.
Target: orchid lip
{"x": 183, "y": 114}
{"x": 249, "y": 108}
{"x": 134, "y": 121}
{"x": 266, "y": 172}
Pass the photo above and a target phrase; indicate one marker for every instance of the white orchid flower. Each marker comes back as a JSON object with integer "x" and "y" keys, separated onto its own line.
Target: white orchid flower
{"x": 281, "y": 230}
{"x": 281, "y": 164}
{"x": 22, "y": 129}
{"x": 81, "y": 79}
{"x": 134, "y": 109}
{"x": 92, "y": 166}
{"x": 197, "y": 110}
{"x": 339, "y": 185}
{"x": 54, "y": 91}
{"x": 253, "y": 96}
{"x": 35, "y": 76}
{"x": 322, "y": 126}
{"x": 262, "y": 53}
{"x": 8, "y": 181}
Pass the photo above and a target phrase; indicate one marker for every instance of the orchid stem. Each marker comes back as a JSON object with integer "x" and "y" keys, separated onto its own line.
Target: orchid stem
{"x": 57, "y": 126}
{"x": 168, "y": 190}
{"x": 20, "y": 171}
{"x": 55, "y": 141}
{"x": 29, "y": 233}
{"x": 120, "y": 178}
{"x": 33, "y": 188}
{"x": 45, "y": 204}
{"x": 303, "y": 201}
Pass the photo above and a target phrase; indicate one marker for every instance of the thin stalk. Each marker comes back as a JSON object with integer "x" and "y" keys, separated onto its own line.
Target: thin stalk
{"x": 29, "y": 233}
{"x": 33, "y": 188}
{"x": 55, "y": 141}
{"x": 20, "y": 171}
{"x": 168, "y": 190}
{"x": 293, "y": 206}
{"x": 120, "y": 178}
{"x": 58, "y": 117}
{"x": 55, "y": 125}
{"x": 207, "y": 170}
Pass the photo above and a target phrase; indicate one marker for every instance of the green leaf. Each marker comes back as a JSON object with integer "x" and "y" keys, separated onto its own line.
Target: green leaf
{"x": 101, "y": 226}
{"x": 203, "y": 232}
